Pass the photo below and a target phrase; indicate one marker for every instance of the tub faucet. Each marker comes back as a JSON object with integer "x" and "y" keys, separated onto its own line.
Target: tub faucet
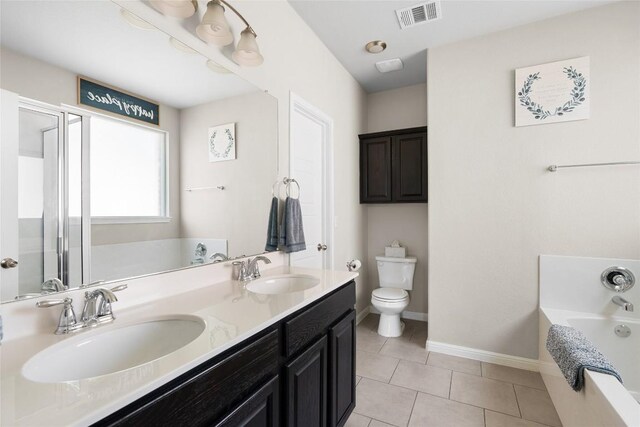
{"x": 626, "y": 305}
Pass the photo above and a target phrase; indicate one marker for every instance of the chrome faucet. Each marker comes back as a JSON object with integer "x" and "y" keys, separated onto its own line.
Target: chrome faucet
{"x": 67, "y": 322}
{"x": 249, "y": 269}
{"x": 626, "y": 305}
{"x": 218, "y": 257}
{"x": 96, "y": 311}
{"x": 97, "y": 305}
{"x": 53, "y": 285}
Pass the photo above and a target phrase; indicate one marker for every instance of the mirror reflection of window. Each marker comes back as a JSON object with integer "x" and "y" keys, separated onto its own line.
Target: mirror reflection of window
{"x": 128, "y": 170}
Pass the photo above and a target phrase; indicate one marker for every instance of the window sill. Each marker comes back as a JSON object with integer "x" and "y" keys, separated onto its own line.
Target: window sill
{"x": 97, "y": 220}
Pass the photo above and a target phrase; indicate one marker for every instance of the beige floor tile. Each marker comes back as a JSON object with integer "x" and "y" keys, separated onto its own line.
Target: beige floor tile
{"x": 513, "y": 375}
{"x": 370, "y": 322}
{"x": 428, "y": 379}
{"x": 384, "y": 402}
{"x": 367, "y": 340}
{"x": 404, "y": 349}
{"x": 357, "y": 420}
{"x": 536, "y": 405}
{"x": 432, "y": 411}
{"x": 376, "y": 423}
{"x": 375, "y": 366}
{"x": 455, "y": 363}
{"x": 358, "y": 379}
{"x": 484, "y": 392}
{"x": 420, "y": 336}
{"x": 496, "y": 419}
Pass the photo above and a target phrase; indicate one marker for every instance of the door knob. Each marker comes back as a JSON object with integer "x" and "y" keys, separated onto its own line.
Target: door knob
{"x": 321, "y": 247}
{"x": 11, "y": 263}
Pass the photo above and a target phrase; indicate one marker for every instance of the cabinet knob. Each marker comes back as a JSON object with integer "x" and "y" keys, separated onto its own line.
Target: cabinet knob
{"x": 321, "y": 247}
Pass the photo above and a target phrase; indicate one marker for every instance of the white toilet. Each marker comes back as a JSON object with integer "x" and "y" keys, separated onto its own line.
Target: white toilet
{"x": 391, "y": 298}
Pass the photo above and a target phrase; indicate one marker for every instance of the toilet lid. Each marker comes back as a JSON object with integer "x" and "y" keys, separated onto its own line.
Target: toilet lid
{"x": 390, "y": 294}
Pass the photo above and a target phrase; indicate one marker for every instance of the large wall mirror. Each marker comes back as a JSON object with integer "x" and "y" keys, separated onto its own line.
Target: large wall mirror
{"x": 165, "y": 160}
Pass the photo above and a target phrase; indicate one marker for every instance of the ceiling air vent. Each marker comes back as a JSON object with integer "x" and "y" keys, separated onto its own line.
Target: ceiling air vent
{"x": 419, "y": 14}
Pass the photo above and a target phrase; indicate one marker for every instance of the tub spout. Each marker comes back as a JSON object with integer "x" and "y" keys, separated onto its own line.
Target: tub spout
{"x": 626, "y": 305}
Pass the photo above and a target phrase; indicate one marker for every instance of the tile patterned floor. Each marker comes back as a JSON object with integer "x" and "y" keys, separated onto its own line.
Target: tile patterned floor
{"x": 400, "y": 384}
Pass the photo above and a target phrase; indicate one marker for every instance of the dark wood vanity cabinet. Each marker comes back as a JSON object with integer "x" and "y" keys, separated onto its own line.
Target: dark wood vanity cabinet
{"x": 393, "y": 166}
{"x": 297, "y": 372}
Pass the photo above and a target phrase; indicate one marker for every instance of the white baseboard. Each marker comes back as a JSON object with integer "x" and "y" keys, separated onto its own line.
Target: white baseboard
{"x": 411, "y": 315}
{"x": 362, "y": 314}
{"x": 484, "y": 356}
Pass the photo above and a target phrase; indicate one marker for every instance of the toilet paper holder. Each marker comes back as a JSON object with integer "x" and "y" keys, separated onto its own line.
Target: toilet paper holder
{"x": 354, "y": 265}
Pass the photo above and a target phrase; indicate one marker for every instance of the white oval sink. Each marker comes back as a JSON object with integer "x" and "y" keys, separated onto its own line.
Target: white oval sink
{"x": 93, "y": 355}
{"x": 284, "y": 284}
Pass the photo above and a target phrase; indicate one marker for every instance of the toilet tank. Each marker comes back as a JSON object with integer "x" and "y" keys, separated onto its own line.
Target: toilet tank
{"x": 396, "y": 272}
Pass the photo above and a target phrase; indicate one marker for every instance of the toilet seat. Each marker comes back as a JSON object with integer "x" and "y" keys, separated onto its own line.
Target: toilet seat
{"x": 390, "y": 294}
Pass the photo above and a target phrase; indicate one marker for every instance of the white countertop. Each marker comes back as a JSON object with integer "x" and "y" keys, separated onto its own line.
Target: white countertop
{"x": 231, "y": 314}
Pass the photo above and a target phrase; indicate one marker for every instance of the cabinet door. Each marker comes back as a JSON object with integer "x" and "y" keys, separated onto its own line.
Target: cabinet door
{"x": 375, "y": 170}
{"x": 306, "y": 387}
{"x": 261, "y": 409}
{"x": 409, "y": 164}
{"x": 342, "y": 370}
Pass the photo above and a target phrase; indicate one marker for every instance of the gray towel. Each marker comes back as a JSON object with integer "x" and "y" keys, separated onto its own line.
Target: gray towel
{"x": 291, "y": 230}
{"x": 272, "y": 227}
{"x": 574, "y": 353}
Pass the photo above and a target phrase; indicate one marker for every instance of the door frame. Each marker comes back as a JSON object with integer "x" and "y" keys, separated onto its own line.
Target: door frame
{"x": 299, "y": 105}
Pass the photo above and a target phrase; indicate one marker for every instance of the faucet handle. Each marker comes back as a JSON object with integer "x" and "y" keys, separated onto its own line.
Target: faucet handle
{"x": 120, "y": 288}
{"x": 67, "y": 322}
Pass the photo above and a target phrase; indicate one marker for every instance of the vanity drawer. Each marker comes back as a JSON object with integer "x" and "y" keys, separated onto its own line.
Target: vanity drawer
{"x": 315, "y": 321}
{"x": 202, "y": 396}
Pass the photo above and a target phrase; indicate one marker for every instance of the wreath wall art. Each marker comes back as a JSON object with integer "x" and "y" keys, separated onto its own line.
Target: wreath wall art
{"x": 222, "y": 142}
{"x": 554, "y": 92}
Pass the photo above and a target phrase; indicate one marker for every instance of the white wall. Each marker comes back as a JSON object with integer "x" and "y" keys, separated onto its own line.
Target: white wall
{"x": 397, "y": 109}
{"x": 493, "y": 208}
{"x": 247, "y": 180}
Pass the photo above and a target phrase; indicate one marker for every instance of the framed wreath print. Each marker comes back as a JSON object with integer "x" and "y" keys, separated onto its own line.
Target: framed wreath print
{"x": 552, "y": 93}
{"x": 222, "y": 142}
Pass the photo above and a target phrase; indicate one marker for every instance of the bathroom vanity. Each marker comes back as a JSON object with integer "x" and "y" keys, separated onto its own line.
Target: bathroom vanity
{"x": 297, "y": 372}
{"x": 261, "y": 355}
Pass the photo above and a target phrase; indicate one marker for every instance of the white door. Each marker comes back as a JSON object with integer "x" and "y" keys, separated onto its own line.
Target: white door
{"x": 311, "y": 165}
{"x": 9, "y": 192}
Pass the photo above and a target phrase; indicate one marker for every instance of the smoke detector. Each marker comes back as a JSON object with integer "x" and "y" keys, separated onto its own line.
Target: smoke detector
{"x": 419, "y": 14}
{"x": 390, "y": 65}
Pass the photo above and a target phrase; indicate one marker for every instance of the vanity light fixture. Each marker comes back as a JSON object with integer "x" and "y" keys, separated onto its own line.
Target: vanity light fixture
{"x": 135, "y": 20}
{"x": 376, "y": 46}
{"x": 215, "y": 29}
{"x": 175, "y": 8}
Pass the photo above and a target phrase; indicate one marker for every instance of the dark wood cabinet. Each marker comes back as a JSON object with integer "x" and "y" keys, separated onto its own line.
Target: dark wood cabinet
{"x": 261, "y": 409}
{"x": 306, "y": 378}
{"x": 393, "y": 166}
{"x": 297, "y": 372}
{"x": 342, "y": 369}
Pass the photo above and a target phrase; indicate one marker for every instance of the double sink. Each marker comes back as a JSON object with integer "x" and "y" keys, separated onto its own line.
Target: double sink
{"x": 120, "y": 348}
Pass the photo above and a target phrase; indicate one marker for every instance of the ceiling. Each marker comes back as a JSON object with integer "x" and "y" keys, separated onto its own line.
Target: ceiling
{"x": 92, "y": 39}
{"x": 346, "y": 26}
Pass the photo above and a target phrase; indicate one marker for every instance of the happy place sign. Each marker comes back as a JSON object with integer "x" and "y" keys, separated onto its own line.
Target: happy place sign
{"x": 97, "y": 95}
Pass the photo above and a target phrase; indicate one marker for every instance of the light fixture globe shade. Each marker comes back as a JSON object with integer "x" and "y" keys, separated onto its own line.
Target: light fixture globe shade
{"x": 175, "y": 8}
{"x": 214, "y": 27}
{"x": 247, "y": 53}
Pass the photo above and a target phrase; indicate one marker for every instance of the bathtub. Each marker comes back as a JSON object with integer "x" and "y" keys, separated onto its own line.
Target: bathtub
{"x": 603, "y": 401}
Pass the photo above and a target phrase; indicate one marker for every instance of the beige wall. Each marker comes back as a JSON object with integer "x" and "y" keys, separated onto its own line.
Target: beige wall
{"x": 297, "y": 61}
{"x": 47, "y": 83}
{"x": 208, "y": 213}
{"x": 493, "y": 208}
{"x": 397, "y": 109}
